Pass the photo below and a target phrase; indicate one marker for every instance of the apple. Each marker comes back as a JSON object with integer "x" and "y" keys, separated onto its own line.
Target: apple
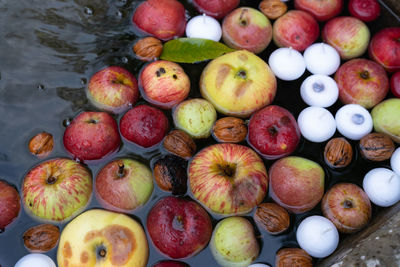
{"x": 92, "y": 136}
{"x": 322, "y": 10}
{"x": 169, "y": 263}
{"x": 366, "y": 10}
{"x": 113, "y": 89}
{"x": 228, "y": 178}
{"x": 124, "y": 184}
{"x": 57, "y": 189}
{"x": 296, "y": 183}
{"x": 163, "y": 19}
{"x": 144, "y": 126}
{"x": 164, "y": 83}
{"x": 215, "y": 8}
{"x": 273, "y": 132}
{"x": 238, "y": 83}
{"x": 348, "y": 35}
{"x": 347, "y": 206}
{"x": 103, "y": 238}
{"x": 179, "y": 227}
{"x": 384, "y": 48}
{"x": 385, "y": 117}
{"x": 296, "y": 29}
{"x": 9, "y": 204}
{"x": 395, "y": 84}
{"x": 195, "y": 116}
{"x": 247, "y": 28}
{"x": 233, "y": 243}
{"x": 362, "y": 81}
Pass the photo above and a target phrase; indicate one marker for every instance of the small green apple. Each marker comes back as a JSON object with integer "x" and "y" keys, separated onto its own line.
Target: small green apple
{"x": 386, "y": 116}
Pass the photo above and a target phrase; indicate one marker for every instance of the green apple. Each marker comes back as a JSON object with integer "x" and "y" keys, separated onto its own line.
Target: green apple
{"x": 238, "y": 83}
{"x": 386, "y": 116}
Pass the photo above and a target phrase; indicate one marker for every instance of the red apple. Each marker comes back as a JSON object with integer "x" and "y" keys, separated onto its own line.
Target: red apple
{"x": 296, "y": 29}
{"x": 322, "y": 10}
{"x": 385, "y": 48}
{"x": 228, "y": 178}
{"x": 144, "y": 125}
{"x": 164, "y": 19}
{"x": 296, "y": 183}
{"x": 273, "y": 132}
{"x": 113, "y": 89}
{"x": 92, "y": 136}
{"x": 9, "y": 204}
{"x": 179, "y": 227}
{"x": 366, "y": 10}
{"x": 395, "y": 84}
{"x": 164, "y": 83}
{"x": 347, "y": 206}
{"x": 215, "y": 8}
{"x": 247, "y": 28}
{"x": 57, "y": 189}
{"x": 169, "y": 263}
{"x": 348, "y": 35}
{"x": 362, "y": 81}
{"x": 124, "y": 184}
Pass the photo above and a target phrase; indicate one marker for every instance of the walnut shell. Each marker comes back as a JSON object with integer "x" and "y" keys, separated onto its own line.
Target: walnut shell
{"x": 376, "y": 147}
{"x": 170, "y": 174}
{"x": 41, "y": 144}
{"x": 293, "y": 257}
{"x": 41, "y": 238}
{"x": 338, "y": 153}
{"x": 229, "y": 130}
{"x": 148, "y": 48}
{"x": 180, "y": 143}
{"x": 272, "y": 217}
{"x": 273, "y": 9}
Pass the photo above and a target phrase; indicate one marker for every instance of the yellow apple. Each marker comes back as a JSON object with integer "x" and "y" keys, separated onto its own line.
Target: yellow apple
{"x": 102, "y": 238}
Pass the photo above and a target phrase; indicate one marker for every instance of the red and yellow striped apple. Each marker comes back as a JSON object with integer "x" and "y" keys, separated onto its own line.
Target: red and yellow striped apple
{"x": 9, "y": 204}
{"x": 247, "y": 28}
{"x": 238, "y": 83}
{"x": 103, "y": 238}
{"x": 56, "y": 190}
{"x": 228, "y": 178}
{"x": 113, "y": 89}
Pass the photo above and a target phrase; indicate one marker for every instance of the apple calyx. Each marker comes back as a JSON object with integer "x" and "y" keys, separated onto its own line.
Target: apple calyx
{"x": 357, "y": 119}
{"x": 227, "y": 169}
{"x": 364, "y": 75}
{"x": 242, "y": 74}
{"x": 101, "y": 252}
{"x": 318, "y": 87}
{"x": 51, "y": 180}
{"x": 121, "y": 170}
{"x": 347, "y": 204}
{"x": 177, "y": 223}
{"x": 92, "y": 121}
{"x": 273, "y": 131}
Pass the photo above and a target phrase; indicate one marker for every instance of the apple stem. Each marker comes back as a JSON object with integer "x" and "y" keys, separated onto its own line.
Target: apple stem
{"x": 121, "y": 169}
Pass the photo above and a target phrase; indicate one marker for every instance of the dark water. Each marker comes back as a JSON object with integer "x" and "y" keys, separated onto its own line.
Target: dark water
{"x": 50, "y": 49}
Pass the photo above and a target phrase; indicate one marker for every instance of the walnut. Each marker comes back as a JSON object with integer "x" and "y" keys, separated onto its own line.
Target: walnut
{"x": 148, "y": 48}
{"x": 273, "y": 9}
{"x": 272, "y": 218}
{"x": 180, "y": 143}
{"x": 41, "y": 238}
{"x": 338, "y": 153}
{"x": 41, "y": 144}
{"x": 289, "y": 257}
{"x": 376, "y": 147}
{"x": 229, "y": 129}
{"x": 170, "y": 174}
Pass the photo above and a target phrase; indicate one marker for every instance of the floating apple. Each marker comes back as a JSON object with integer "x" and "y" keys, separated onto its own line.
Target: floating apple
{"x": 296, "y": 29}
{"x": 384, "y": 48}
{"x": 362, "y": 81}
{"x": 386, "y": 116}
{"x": 228, "y": 178}
{"x": 215, "y": 8}
{"x": 92, "y": 136}
{"x": 395, "y": 84}
{"x": 273, "y": 132}
{"x": 9, "y": 204}
{"x": 113, "y": 89}
{"x": 124, "y": 184}
{"x": 102, "y": 238}
{"x": 347, "y": 206}
{"x": 57, "y": 189}
{"x": 164, "y": 19}
{"x": 247, "y": 28}
{"x": 195, "y": 116}
{"x": 296, "y": 183}
{"x": 170, "y": 264}
{"x": 164, "y": 83}
{"x": 366, "y": 10}
{"x": 233, "y": 242}
{"x": 348, "y": 35}
{"x": 322, "y": 10}
{"x": 238, "y": 83}
{"x": 178, "y": 227}
{"x": 144, "y": 126}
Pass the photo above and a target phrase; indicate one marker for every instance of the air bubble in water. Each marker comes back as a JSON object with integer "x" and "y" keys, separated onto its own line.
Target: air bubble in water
{"x": 88, "y": 11}
{"x": 124, "y": 60}
{"x": 40, "y": 87}
{"x": 67, "y": 122}
{"x": 83, "y": 81}
{"x": 118, "y": 14}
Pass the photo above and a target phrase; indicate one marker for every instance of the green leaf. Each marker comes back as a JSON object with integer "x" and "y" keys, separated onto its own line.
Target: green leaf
{"x": 192, "y": 50}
